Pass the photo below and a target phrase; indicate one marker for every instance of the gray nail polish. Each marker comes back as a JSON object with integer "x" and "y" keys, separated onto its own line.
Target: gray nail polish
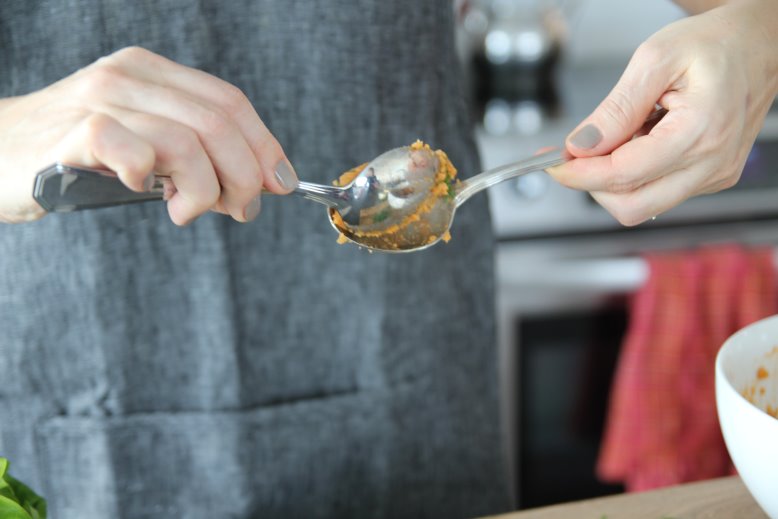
{"x": 587, "y": 137}
{"x": 252, "y": 209}
{"x": 286, "y": 176}
{"x": 148, "y": 182}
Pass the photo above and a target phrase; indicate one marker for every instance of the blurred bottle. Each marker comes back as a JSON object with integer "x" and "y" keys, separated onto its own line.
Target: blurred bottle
{"x": 511, "y": 50}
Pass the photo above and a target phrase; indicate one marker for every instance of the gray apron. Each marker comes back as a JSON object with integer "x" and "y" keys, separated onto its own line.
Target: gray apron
{"x": 254, "y": 370}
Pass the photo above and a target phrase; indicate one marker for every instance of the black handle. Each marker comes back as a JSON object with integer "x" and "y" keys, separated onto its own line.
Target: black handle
{"x": 61, "y": 188}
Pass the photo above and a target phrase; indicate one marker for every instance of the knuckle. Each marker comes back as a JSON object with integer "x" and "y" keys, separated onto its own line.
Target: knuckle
{"x": 618, "y": 107}
{"x": 210, "y": 197}
{"x": 214, "y": 124}
{"x": 94, "y": 125}
{"x": 184, "y": 142}
{"x": 249, "y": 184}
{"x": 621, "y": 182}
{"x": 270, "y": 152}
{"x": 233, "y": 100}
{"x": 100, "y": 79}
{"x": 649, "y": 54}
{"x": 132, "y": 53}
{"x": 201, "y": 200}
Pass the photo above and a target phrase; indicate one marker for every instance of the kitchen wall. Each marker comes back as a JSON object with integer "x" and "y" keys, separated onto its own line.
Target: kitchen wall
{"x": 610, "y": 30}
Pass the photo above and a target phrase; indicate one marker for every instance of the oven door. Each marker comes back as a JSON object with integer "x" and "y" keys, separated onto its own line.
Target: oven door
{"x": 562, "y": 316}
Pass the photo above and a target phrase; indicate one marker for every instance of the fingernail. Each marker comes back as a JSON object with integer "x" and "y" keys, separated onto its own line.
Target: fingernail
{"x": 252, "y": 209}
{"x": 286, "y": 176}
{"x": 587, "y": 137}
{"x": 148, "y": 183}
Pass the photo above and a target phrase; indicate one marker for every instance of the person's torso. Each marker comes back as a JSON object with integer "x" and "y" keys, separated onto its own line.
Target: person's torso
{"x": 117, "y": 311}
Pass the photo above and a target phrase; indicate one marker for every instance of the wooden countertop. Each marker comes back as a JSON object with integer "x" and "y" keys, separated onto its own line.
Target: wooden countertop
{"x": 725, "y": 498}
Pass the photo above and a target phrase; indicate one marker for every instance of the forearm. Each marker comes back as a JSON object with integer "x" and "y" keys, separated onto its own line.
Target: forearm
{"x": 5, "y": 102}
{"x": 698, "y": 6}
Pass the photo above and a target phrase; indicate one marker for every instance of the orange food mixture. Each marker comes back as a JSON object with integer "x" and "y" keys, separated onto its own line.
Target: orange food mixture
{"x": 445, "y": 180}
{"x": 762, "y": 374}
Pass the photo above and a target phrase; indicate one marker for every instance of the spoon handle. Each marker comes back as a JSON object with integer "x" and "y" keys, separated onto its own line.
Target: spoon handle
{"x": 539, "y": 162}
{"x": 61, "y": 188}
{"x": 499, "y": 174}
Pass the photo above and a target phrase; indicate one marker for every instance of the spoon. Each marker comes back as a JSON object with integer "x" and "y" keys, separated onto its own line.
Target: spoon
{"x": 384, "y": 194}
{"x": 388, "y": 192}
{"x": 403, "y": 177}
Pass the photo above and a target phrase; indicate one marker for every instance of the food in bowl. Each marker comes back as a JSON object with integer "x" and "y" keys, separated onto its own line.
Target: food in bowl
{"x": 747, "y": 400}
{"x": 758, "y": 392}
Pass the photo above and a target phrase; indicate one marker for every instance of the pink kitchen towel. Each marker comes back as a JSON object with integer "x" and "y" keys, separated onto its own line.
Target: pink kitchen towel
{"x": 661, "y": 428}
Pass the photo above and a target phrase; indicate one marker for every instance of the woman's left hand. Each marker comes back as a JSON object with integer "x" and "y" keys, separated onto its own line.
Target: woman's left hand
{"x": 716, "y": 74}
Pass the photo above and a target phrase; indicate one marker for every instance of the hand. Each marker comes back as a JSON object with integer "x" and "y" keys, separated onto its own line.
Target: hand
{"x": 135, "y": 112}
{"x": 717, "y": 75}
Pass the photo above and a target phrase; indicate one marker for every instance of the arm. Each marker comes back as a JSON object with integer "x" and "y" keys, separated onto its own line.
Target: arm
{"x": 698, "y": 6}
{"x": 4, "y": 102}
{"x": 716, "y": 73}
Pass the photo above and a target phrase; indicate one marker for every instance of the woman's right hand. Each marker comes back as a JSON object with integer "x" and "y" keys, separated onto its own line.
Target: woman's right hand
{"x": 138, "y": 113}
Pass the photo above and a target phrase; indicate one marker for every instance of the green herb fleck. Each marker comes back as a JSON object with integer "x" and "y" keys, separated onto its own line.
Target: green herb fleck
{"x": 452, "y": 192}
{"x": 380, "y": 217}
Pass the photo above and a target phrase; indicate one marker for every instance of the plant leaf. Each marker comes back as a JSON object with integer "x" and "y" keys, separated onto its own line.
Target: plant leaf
{"x": 11, "y": 510}
{"x": 16, "y": 497}
{"x": 28, "y": 499}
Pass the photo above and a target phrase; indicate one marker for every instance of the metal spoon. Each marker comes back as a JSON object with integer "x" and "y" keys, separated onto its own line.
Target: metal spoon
{"x": 388, "y": 190}
{"x": 431, "y": 226}
{"x": 400, "y": 177}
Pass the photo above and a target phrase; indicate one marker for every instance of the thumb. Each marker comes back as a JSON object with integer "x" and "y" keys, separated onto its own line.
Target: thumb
{"x": 620, "y": 115}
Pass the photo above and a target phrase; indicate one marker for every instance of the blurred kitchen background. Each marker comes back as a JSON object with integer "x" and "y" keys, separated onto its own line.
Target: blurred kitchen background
{"x": 566, "y": 269}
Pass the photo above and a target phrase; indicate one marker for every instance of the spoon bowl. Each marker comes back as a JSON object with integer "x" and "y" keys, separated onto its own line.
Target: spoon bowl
{"x": 389, "y": 189}
{"x": 429, "y": 229}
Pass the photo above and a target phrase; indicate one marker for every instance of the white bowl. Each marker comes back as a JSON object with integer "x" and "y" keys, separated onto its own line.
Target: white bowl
{"x": 746, "y": 390}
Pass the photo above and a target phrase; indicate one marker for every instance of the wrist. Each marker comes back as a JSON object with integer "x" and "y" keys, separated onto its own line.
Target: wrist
{"x": 5, "y": 102}
{"x": 699, "y": 6}
{"x": 762, "y": 19}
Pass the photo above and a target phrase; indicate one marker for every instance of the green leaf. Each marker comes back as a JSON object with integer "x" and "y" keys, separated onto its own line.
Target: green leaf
{"x": 11, "y": 510}
{"x": 17, "y": 498}
{"x": 30, "y": 501}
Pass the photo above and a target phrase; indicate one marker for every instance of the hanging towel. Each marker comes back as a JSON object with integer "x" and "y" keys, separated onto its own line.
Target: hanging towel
{"x": 661, "y": 428}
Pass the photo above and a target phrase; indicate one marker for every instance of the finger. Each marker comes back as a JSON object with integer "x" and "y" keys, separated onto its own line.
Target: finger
{"x": 101, "y": 141}
{"x": 180, "y": 155}
{"x": 639, "y": 161}
{"x": 219, "y": 208}
{"x": 652, "y": 199}
{"x": 278, "y": 175}
{"x": 623, "y": 112}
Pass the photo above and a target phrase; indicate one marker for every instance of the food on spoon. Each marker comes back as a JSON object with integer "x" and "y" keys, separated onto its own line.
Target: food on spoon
{"x": 443, "y": 187}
